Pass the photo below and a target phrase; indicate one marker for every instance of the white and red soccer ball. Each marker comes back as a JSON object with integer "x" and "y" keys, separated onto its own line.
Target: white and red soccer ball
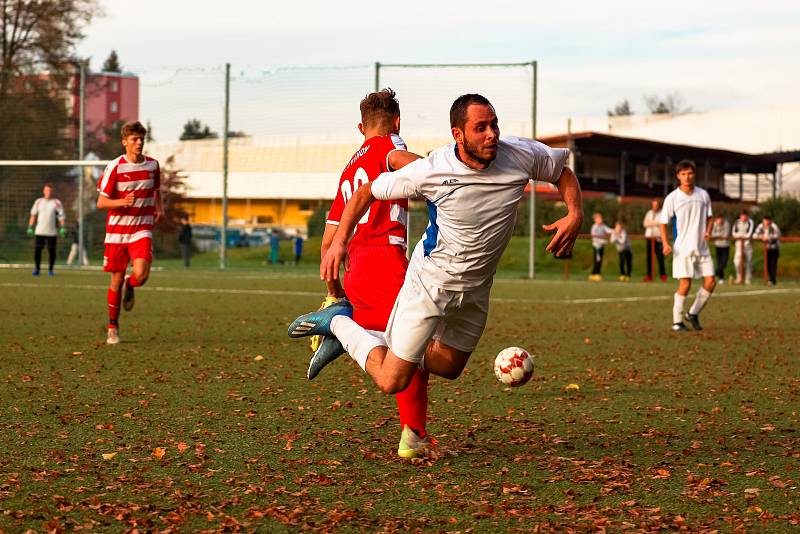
{"x": 513, "y": 366}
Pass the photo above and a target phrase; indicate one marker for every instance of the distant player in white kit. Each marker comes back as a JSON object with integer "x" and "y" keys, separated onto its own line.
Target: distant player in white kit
{"x": 472, "y": 189}
{"x": 688, "y": 209}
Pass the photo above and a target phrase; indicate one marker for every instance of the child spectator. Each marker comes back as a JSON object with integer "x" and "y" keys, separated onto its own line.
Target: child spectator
{"x": 600, "y": 233}
{"x": 620, "y": 239}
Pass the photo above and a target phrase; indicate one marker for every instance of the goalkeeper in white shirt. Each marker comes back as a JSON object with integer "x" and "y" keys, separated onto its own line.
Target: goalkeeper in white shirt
{"x": 472, "y": 189}
{"x": 688, "y": 210}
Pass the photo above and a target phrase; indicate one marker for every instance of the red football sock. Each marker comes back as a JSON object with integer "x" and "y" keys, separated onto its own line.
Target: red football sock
{"x": 412, "y": 403}
{"x": 113, "y": 308}
{"x": 133, "y": 281}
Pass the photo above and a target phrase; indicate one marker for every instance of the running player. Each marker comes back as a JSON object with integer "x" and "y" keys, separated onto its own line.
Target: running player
{"x": 688, "y": 208}
{"x": 472, "y": 189}
{"x": 377, "y": 256}
{"x": 129, "y": 190}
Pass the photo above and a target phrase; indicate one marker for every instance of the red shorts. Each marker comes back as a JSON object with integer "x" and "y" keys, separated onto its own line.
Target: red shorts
{"x": 117, "y": 256}
{"x": 375, "y": 277}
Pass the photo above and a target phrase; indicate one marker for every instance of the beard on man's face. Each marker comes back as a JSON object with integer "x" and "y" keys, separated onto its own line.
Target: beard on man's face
{"x": 473, "y": 151}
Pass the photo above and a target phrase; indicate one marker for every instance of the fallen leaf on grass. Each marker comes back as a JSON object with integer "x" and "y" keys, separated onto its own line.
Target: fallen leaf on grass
{"x": 77, "y": 353}
{"x": 662, "y": 473}
{"x": 182, "y": 447}
{"x": 109, "y": 455}
{"x": 159, "y": 452}
{"x": 572, "y": 387}
{"x": 258, "y": 358}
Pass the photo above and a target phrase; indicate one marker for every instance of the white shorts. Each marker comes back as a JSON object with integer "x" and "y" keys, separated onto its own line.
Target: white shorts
{"x": 423, "y": 312}
{"x": 691, "y": 266}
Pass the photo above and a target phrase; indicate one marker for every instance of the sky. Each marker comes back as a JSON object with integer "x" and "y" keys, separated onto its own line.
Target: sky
{"x": 296, "y": 62}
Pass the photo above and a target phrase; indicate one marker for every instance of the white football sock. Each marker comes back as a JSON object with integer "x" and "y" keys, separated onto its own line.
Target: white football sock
{"x": 356, "y": 341}
{"x": 677, "y": 308}
{"x": 699, "y": 301}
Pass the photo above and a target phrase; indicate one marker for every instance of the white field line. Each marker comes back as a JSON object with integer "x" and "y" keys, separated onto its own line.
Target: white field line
{"x": 316, "y": 294}
{"x": 202, "y": 273}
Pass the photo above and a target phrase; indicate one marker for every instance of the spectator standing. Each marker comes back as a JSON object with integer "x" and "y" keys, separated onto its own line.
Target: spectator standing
{"x": 600, "y": 233}
{"x": 185, "y": 241}
{"x": 620, "y": 239}
{"x": 769, "y": 233}
{"x": 652, "y": 233}
{"x": 743, "y": 255}
{"x": 46, "y": 223}
{"x": 721, "y": 235}
{"x": 274, "y": 247}
{"x": 74, "y": 253}
{"x": 298, "y": 248}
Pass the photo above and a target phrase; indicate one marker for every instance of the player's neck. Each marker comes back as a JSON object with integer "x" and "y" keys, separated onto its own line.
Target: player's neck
{"x": 688, "y": 189}
{"x": 369, "y": 134}
{"x": 134, "y": 158}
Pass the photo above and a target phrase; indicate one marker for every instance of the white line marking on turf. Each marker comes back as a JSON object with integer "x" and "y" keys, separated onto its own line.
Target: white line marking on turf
{"x": 176, "y": 289}
{"x": 316, "y": 294}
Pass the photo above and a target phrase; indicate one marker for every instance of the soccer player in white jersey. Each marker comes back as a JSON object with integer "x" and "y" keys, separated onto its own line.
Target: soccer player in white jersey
{"x": 129, "y": 190}
{"x": 472, "y": 189}
{"x": 46, "y": 223}
{"x": 688, "y": 209}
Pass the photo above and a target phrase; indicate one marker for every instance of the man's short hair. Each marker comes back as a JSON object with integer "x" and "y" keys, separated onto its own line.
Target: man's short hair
{"x": 133, "y": 128}
{"x": 379, "y": 109}
{"x": 744, "y": 212}
{"x": 684, "y": 164}
{"x": 767, "y": 217}
{"x": 48, "y": 184}
{"x": 458, "y": 111}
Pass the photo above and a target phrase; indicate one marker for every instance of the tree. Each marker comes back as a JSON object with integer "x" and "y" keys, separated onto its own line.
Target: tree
{"x": 623, "y": 109}
{"x": 111, "y": 63}
{"x": 194, "y": 129}
{"x": 37, "y": 36}
{"x": 672, "y": 104}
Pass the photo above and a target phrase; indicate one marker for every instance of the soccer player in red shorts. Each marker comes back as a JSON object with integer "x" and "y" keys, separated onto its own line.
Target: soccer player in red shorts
{"x": 377, "y": 255}
{"x": 129, "y": 190}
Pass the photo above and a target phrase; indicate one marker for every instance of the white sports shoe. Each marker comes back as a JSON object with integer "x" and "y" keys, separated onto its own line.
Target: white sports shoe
{"x": 113, "y": 336}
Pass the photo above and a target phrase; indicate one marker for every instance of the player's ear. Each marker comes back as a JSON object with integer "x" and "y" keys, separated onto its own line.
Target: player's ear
{"x": 458, "y": 135}
{"x": 397, "y": 124}
{"x": 361, "y": 128}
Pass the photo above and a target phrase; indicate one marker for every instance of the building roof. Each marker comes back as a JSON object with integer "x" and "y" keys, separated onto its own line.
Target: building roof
{"x": 603, "y": 143}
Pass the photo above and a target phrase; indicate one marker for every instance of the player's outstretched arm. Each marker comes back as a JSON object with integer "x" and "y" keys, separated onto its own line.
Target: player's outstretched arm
{"x": 353, "y": 211}
{"x": 567, "y": 227}
{"x": 400, "y": 158}
{"x": 666, "y": 248}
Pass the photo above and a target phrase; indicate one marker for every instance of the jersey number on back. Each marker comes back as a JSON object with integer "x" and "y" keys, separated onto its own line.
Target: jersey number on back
{"x": 359, "y": 179}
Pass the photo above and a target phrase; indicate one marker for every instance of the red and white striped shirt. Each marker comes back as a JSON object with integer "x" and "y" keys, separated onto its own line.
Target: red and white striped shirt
{"x": 126, "y": 225}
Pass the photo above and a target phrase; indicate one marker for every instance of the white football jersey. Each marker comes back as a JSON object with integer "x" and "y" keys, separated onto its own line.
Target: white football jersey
{"x": 688, "y": 214}
{"x": 471, "y": 212}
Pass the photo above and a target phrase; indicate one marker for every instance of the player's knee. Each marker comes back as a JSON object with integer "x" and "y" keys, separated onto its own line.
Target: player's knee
{"x": 393, "y": 384}
{"x": 451, "y": 373}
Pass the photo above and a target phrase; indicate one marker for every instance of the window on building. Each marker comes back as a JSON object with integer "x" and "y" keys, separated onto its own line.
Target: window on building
{"x": 305, "y": 206}
{"x": 114, "y": 107}
{"x": 114, "y": 86}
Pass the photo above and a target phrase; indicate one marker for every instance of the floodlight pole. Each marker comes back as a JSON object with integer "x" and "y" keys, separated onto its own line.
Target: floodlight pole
{"x": 81, "y": 136}
{"x": 224, "y": 232}
{"x": 377, "y": 76}
{"x": 532, "y": 206}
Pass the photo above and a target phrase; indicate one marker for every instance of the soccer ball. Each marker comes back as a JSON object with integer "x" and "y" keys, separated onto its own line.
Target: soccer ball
{"x": 513, "y": 366}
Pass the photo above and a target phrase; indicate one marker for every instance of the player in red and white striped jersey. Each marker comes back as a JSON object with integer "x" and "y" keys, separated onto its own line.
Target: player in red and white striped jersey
{"x": 129, "y": 190}
{"x": 377, "y": 255}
